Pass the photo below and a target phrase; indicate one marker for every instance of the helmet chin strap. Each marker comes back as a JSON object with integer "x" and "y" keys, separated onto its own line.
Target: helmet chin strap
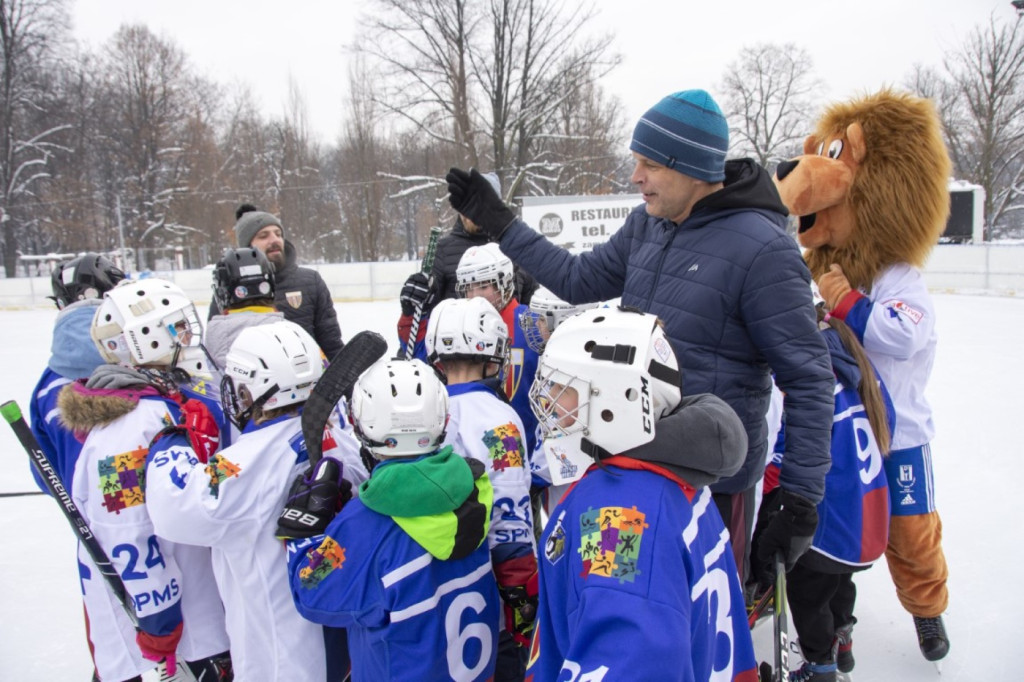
{"x": 594, "y": 450}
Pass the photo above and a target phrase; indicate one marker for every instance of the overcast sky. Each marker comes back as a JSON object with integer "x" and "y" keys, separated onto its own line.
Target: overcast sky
{"x": 667, "y": 45}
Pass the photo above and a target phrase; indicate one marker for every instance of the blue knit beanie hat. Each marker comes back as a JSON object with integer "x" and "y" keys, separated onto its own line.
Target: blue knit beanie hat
{"x": 687, "y": 133}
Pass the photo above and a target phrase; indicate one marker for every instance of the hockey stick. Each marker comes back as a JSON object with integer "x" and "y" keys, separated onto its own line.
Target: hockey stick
{"x": 760, "y": 606}
{"x": 425, "y": 267}
{"x": 13, "y": 416}
{"x": 362, "y": 350}
{"x": 23, "y": 494}
{"x": 781, "y": 621}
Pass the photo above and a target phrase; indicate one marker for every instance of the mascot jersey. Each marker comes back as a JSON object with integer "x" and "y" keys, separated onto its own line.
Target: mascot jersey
{"x": 896, "y": 326}
{"x": 637, "y": 582}
{"x": 387, "y": 574}
{"x": 231, "y": 505}
{"x": 169, "y": 582}
{"x": 482, "y": 426}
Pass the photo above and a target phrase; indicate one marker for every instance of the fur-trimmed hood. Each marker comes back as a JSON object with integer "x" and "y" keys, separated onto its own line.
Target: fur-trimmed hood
{"x": 84, "y": 409}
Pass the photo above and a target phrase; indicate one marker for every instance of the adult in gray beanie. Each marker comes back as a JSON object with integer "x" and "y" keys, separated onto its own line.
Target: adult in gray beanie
{"x": 301, "y": 293}
{"x": 708, "y": 253}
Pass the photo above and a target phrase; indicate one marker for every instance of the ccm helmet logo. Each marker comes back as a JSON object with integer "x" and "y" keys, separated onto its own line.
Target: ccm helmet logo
{"x": 645, "y": 403}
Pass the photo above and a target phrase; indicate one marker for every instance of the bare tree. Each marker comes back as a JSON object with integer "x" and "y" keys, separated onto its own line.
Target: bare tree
{"x": 986, "y": 137}
{"x": 150, "y": 92}
{"x": 486, "y": 79}
{"x": 31, "y": 32}
{"x": 769, "y": 101}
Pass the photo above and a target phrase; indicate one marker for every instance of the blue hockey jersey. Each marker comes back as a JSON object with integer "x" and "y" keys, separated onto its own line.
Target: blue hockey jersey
{"x": 415, "y": 591}
{"x": 637, "y": 582}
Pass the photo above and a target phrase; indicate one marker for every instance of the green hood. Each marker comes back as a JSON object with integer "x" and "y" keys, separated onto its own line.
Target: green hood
{"x": 442, "y": 501}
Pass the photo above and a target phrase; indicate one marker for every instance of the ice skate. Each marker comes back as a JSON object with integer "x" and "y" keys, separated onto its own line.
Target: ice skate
{"x": 932, "y": 638}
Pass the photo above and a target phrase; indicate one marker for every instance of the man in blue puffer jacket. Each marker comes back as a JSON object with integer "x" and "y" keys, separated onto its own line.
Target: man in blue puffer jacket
{"x": 708, "y": 254}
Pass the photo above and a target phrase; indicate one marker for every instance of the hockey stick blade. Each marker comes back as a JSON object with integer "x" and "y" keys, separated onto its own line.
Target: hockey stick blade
{"x": 362, "y": 350}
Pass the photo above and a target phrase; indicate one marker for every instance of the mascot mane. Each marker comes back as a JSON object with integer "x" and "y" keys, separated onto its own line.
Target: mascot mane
{"x": 899, "y": 196}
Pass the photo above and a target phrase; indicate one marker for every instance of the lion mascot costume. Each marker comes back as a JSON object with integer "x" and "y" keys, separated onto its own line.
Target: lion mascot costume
{"x": 871, "y": 194}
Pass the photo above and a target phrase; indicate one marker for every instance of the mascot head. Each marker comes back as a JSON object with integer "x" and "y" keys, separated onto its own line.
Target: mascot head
{"x": 871, "y": 189}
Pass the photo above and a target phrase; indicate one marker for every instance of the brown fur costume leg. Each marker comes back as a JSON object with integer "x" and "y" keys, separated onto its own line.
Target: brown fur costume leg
{"x": 917, "y": 563}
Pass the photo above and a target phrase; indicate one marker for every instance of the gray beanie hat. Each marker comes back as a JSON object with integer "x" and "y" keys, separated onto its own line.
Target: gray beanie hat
{"x": 252, "y": 222}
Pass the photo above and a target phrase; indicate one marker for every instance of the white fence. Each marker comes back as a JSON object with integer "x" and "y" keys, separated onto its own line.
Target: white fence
{"x": 968, "y": 268}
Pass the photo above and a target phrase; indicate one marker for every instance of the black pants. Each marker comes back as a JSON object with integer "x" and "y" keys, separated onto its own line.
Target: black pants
{"x": 819, "y": 603}
{"x": 511, "y": 664}
{"x": 737, "y": 512}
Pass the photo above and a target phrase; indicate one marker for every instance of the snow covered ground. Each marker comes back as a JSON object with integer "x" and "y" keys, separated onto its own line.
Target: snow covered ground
{"x": 978, "y": 466}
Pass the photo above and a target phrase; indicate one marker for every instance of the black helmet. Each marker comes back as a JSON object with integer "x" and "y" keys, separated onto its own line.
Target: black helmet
{"x": 242, "y": 274}
{"x": 87, "y": 276}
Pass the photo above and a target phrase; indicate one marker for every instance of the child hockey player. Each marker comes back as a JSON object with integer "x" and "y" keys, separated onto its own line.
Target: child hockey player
{"x": 231, "y": 502}
{"x": 78, "y": 287}
{"x": 484, "y": 271}
{"x": 243, "y": 291}
{"x": 854, "y": 514}
{"x": 404, "y": 566}
{"x": 145, "y": 331}
{"x": 637, "y": 578}
{"x": 467, "y": 341}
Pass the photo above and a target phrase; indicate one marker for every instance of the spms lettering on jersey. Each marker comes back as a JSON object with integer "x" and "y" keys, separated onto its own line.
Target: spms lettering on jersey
{"x": 123, "y": 479}
{"x": 156, "y": 599}
{"x": 610, "y": 542}
{"x": 322, "y": 561}
{"x": 505, "y": 446}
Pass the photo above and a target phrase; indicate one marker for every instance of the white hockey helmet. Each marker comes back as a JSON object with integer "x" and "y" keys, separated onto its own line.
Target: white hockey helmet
{"x": 149, "y": 322}
{"x": 271, "y": 366}
{"x": 546, "y": 312}
{"x": 483, "y": 264}
{"x": 399, "y": 408}
{"x": 621, "y": 366}
{"x": 467, "y": 329}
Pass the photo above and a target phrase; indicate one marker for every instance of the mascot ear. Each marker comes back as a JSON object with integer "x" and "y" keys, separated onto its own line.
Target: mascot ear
{"x": 810, "y": 145}
{"x": 855, "y": 136}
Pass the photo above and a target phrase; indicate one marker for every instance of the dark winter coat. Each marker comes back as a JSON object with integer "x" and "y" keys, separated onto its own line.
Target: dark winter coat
{"x": 734, "y": 294}
{"x": 446, "y": 260}
{"x": 302, "y": 295}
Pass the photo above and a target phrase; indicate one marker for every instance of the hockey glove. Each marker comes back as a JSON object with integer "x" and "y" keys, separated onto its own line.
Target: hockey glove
{"x": 473, "y": 196}
{"x": 199, "y": 425}
{"x": 790, "y": 529}
{"x": 517, "y": 585}
{"x": 314, "y": 499}
{"x": 417, "y": 293}
{"x": 160, "y": 647}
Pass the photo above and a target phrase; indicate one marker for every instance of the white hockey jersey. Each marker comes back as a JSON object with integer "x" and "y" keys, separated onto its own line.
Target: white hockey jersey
{"x": 896, "y": 325}
{"x": 483, "y": 427}
{"x": 231, "y": 505}
{"x": 167, "y": 582}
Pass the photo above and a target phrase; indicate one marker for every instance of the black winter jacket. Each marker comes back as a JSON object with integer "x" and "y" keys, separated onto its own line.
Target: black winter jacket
{"x": 734, "y": 294}
{"x": 301, "y": 294}
{"x": 450, "y": 249}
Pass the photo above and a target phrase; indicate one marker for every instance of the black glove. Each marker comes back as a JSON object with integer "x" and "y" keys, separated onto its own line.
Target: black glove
{"x": 471, "y": 195}
{"x": 790, "y": 529}
{"x": 417, "y": 292}
{"x": 314, "y": 499}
